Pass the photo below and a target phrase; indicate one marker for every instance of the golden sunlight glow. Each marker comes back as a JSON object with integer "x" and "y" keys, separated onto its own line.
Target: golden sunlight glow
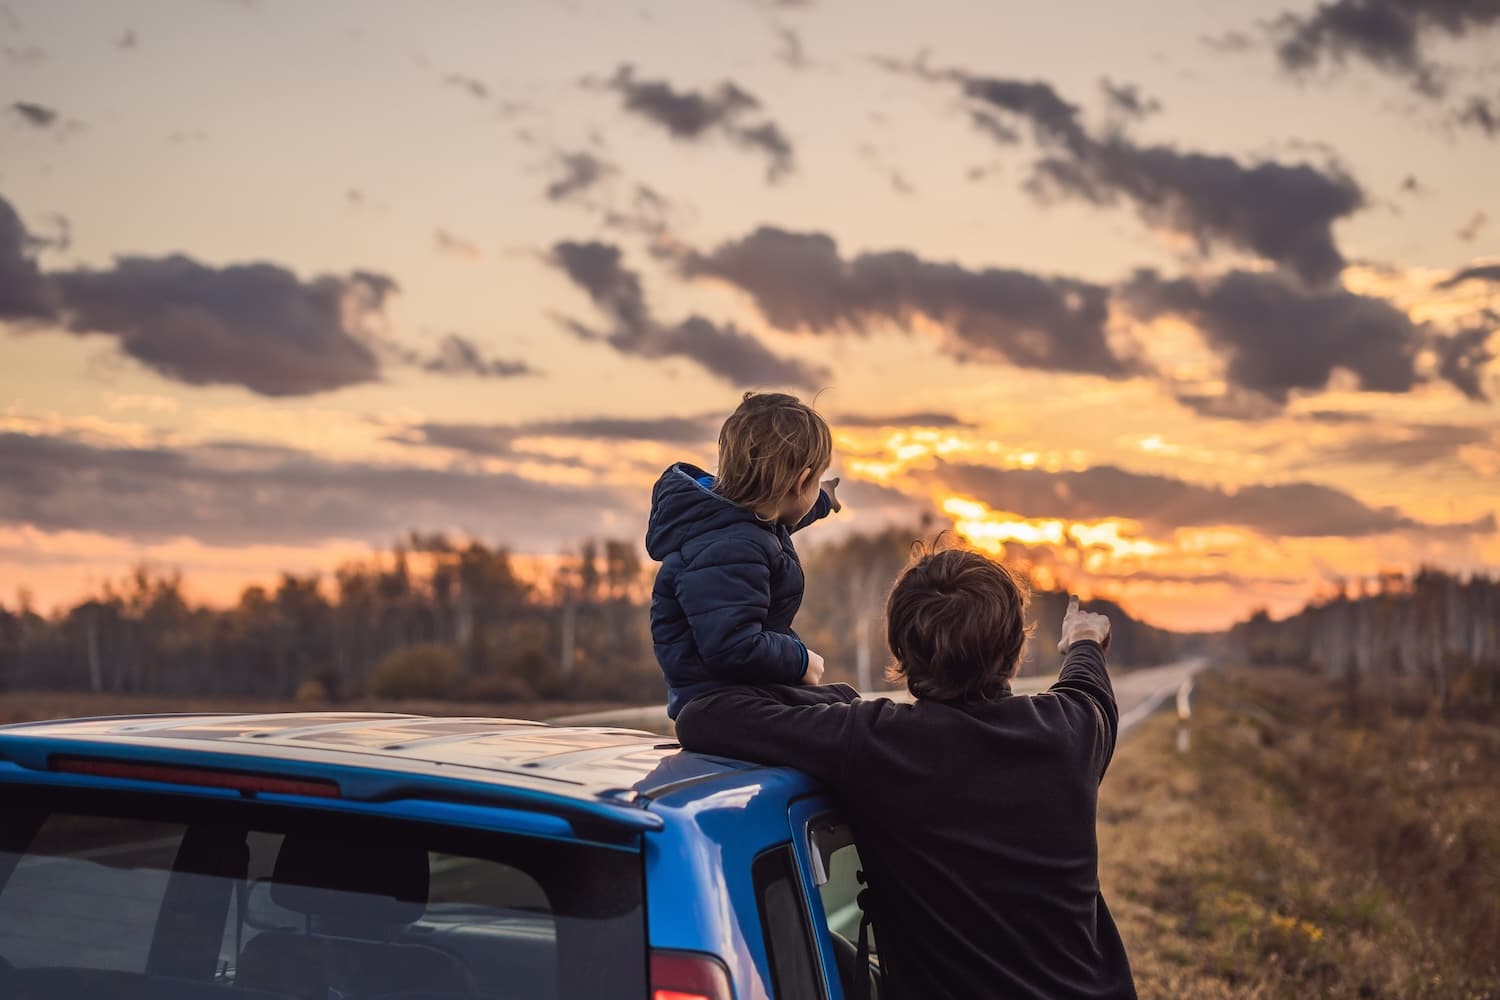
{"x": 1106, "y": 535}
{"x": 988, "y": 529}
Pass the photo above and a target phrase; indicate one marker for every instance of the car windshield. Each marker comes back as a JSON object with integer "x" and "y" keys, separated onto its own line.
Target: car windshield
{"x": 113, "y": 895}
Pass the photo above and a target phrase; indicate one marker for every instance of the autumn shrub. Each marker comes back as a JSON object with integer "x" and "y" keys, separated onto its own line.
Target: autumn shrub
{"x": 498, "y": 687}
{"x": 426, "y": 670}
{"x": 311, "y": 692}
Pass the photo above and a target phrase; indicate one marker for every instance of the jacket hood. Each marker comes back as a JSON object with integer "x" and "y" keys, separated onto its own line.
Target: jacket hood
{"x": 682, "y": 508}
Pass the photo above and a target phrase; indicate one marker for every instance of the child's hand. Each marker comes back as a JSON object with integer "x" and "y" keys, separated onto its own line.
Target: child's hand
{"x": 814, "y": 672}
{"x": 829, "y": 485}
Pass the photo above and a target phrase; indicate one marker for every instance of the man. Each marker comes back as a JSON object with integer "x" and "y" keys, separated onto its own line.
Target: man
{"x": 973, "y": 808}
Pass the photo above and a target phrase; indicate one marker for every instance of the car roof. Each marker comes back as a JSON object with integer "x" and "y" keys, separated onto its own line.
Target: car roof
{"x": 580, "y": 762}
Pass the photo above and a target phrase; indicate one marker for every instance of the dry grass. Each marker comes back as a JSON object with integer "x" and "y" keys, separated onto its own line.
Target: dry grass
{"x": 25, "y": 706}
{"x": 1294, "y": 852}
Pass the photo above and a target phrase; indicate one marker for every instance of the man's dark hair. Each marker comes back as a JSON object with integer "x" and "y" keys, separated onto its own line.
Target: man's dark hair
{"x": 956, "y": 625}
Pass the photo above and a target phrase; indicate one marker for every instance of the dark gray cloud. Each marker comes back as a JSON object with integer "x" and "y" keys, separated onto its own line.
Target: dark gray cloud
{"x": 768, "y": 138}
{"x": 1472, "y": 228}
{"x": 925, "y": 418}
{"x": 1162, "y": 503}
{"x": 799, "y": 281}
{"x": 1237, "y": 580}
{"x": 897, "y": 179}
{"x": 25, "y": 293}
{"x": 685, "y": 114}
{"x": 234, "y": 495}
{"x": 1128, "y": 100}
{"x": 1475, "y": 272}
{"x": 62, "y": 234}
{"x": 587, "y": 180}
{"x": 789, "y": 50}
{"x": 1276, "y": 336}
{"x": 1391, "y": 35}
{"x": 36, "y": 115}
{"x": 1282, "y": 212}
{"x": 1463, "y": 357}
{"x": 24, "y": 55}
{"x": 488, "y": 440}
{"x": 472, "y": 86}
{"x": 667, "y": 430}
{"x": 1338, "y": 417}
{"x": 1229, "y": 42}
{"x": 254, "y": 325}
{"x": 725, "y": 351}
{"x": 457, "y": 355}
{"x": 876, "y": 504}
{"x": 993, "y": 127}
{"x": 597, "y": 268}
{"x": 1232, "y": 403}
{"x": 498, "y": 440}
{"x": 692, "y": 115}
{"x": 1481, "y": 115}
{"x": 579, "y": 172}
{"x": 446, "y": 242}
{"x": 1052, "y": 117}
{"x": 1407, "y": 447}
{"x": 648, "y": 213}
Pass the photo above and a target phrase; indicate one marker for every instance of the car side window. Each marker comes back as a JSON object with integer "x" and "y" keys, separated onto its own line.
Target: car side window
{"x": 837, "y": 857}
{"x": 86, "y": 890}
{"x": 784, "y": 926}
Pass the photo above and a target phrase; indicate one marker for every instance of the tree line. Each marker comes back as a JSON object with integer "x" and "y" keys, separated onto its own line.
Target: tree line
{"x": 433, "y": 617}
{"x": 1434, "y": 631}
{"x": 438, "y": 617}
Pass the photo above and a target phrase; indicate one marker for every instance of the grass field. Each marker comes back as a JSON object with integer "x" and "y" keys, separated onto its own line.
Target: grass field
{"x": 1294, "y": 852}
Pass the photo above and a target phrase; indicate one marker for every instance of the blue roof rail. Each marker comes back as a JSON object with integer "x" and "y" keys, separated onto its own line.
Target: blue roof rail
{"x": 54, "y": 760}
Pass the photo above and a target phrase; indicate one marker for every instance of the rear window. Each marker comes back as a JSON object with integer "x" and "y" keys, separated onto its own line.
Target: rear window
{"x": 111, "y": 895}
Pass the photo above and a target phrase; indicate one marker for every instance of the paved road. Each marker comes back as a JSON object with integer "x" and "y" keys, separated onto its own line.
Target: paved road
{"x": 1139, "y": 693}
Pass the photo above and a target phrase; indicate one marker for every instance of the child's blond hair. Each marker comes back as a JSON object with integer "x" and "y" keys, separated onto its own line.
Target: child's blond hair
{"x": 764, "y": 446}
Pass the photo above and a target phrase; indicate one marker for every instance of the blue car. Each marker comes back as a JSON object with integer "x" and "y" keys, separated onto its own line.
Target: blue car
{"x": 342, "y": 856}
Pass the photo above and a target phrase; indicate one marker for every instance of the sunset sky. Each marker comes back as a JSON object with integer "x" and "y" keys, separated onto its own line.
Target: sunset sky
{"x": 1191, "y": 304}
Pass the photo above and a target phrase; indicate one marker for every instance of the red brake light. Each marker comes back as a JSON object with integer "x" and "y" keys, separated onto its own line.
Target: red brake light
{"x": 201, "y": 777}
{"x": 682, "y": 975}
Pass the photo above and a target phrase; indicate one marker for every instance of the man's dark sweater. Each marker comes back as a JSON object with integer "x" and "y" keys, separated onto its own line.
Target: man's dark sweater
{"x": 975, "y": 823}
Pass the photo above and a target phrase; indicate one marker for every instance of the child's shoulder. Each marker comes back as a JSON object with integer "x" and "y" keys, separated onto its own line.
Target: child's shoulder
{"x": 735, "y": 538}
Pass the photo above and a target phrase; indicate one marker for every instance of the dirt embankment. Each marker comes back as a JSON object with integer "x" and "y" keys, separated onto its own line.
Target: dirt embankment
{"x": 1298, "y": 849}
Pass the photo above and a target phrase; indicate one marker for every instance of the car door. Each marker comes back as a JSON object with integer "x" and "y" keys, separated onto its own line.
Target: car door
{"x": 828, "y": 859}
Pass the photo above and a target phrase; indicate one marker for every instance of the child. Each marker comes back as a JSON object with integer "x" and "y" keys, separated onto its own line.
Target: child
{"x": 730, "y": 580}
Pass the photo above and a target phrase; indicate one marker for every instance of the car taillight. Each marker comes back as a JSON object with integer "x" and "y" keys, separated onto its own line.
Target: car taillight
{"x": 684, "y": 975}
{"x": 239, "y": 781}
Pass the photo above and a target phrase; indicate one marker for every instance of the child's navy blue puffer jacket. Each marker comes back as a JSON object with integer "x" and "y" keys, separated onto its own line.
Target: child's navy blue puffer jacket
{"x": 729, "y": 586}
